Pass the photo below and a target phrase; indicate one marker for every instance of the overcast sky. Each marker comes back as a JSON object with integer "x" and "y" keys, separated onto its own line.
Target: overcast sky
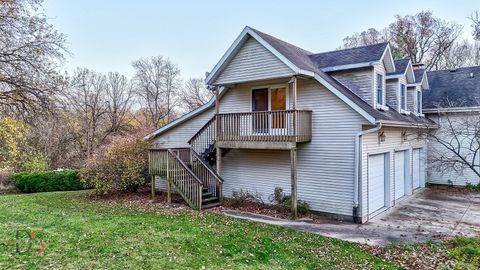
{"x": 107, "y": 35}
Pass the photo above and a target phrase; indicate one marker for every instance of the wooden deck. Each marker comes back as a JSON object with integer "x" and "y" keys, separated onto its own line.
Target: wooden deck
{"x": 264, "y": 130}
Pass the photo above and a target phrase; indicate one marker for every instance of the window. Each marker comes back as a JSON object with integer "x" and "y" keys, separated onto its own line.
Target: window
{"x": 273, "y": 99}
{"x": 419, "y": 102}
{"x": 402, "y": 96}
{"x": 379, "y": 89}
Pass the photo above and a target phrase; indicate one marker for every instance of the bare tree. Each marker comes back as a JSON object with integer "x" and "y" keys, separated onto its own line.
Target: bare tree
{"x": 421, "y": 37}
{"x": 368, "y": 37}
{"x": 475, "y": 19}
{"x": 30, "y": 52}
{"x": 119, "y": 99}
{"x": 458, "y": 140}
{"x": 86, "y": 97}
{"x": 194, "y": 94}
{"x": 156, "y": 84}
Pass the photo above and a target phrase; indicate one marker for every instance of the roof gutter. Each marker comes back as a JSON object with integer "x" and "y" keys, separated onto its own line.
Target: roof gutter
{"x": 356, "y": 191}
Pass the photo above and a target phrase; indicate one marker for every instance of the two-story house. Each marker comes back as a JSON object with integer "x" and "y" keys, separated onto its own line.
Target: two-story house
{"x": 336, "y": 129}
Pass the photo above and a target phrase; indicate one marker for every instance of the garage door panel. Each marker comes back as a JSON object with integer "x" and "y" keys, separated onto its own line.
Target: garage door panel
{"x": 416, "y": 168}
{"x": 376, "y": 182}
{"x": 400, "y": 174}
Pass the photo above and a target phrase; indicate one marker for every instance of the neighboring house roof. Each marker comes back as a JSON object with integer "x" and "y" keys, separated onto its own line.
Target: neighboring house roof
{"x": 366, "y": 55}
{"x": 303, "y": 62}
{"x": 451, "y": 89}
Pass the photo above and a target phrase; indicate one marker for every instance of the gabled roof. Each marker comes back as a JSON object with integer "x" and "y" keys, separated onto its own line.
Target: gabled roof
{"x": 421, "y": 77}
{"x": 403, "y": 67}
{"x": 365, "y": 55}
{"x": 459, "y": 88}
{"x": 304, "y": 63}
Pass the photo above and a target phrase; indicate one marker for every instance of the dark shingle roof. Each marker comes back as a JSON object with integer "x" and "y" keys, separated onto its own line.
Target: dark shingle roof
{"x": 418, "y": 74}
{"x": 365, "y": 54}
{"x": 400, "y": 66}
{"x": 305, "y": 60}
{"x": 453, "y": 88}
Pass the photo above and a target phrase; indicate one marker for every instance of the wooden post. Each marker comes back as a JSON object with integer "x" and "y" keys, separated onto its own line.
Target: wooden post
{"x": 293, "y": 165}
{"x": 293, "y": 151}
{"x": 169, "y": 191}
{"x": 153, "y": 188}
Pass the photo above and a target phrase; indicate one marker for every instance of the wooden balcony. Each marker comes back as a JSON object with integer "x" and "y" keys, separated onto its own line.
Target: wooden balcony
{"x": 264, "y": 129}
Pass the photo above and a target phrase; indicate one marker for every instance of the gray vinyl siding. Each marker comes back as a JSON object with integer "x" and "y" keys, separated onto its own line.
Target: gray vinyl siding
{"x": 393, "y": 142}
{"x": 434, "y": 175}
{"x": 256, "y": 171}
{"x": 253, "y": 62}
{"x": 411, "y": 99}
{"x": 179, "y": 136}
{"x": 325, "y": 167}
{"x": 239, "y": 98}
{"x": 392, "y": 93}
{"x": 358, "y": 80}
{"x": 326, "y": 164}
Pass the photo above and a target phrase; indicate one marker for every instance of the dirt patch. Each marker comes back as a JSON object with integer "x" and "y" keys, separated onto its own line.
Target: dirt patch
{"x": 268, "y": 210}
{"x": 142, "y": 201}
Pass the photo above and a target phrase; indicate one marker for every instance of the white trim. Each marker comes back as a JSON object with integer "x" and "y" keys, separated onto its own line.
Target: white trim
{"x": 350, "y": 66}
{"x": 405, "y": 112}
{"x": 236, "y": 46}
{"x": 409, "y": 67}
{"x": 345, "y": 99}
{"x": 185, "y": 117}
{"x": 391, "y": 58}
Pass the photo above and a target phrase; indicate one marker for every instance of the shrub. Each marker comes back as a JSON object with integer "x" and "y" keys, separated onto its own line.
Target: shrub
{"x": 285, "y": 201}
{"x": 30, "y": 182}
{"x": 5, "y": 176}
{"x": 120, "y": 166}
{"x": 241, "y": 197}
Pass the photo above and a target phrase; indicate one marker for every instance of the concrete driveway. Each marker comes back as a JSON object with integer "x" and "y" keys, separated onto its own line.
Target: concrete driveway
{"x": 433, "y": 213}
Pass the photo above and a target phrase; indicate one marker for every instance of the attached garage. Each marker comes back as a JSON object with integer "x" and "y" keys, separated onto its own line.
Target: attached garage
{"x": 377, "y": 182}
{"x": 401, "y": 173}
{"x": 416, "y": 168}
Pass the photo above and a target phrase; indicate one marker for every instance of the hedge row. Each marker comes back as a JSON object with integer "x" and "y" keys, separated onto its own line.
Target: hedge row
{"x": 31, "y": 182}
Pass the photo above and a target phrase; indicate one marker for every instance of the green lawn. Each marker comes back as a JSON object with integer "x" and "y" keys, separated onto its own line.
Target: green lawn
{"x": 81, "y": 233}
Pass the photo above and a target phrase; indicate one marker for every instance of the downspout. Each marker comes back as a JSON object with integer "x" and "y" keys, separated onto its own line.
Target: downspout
{"x": 356, "y": 215}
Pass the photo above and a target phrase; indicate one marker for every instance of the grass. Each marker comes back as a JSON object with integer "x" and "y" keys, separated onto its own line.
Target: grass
{"x": 85, "y": 234}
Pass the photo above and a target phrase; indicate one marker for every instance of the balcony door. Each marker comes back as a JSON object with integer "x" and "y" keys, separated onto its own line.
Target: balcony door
{"x": 270, "y": 103}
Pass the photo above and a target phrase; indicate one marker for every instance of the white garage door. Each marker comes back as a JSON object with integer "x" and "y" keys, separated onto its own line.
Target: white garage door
{"x": 416, "y": 168}
{"x": 376, "y": 182}
{"x": 400, "y": 176}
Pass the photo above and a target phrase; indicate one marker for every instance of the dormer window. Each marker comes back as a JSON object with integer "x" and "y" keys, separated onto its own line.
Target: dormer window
{"x": 379, "y": 89}
{"x": 403, "y": 97}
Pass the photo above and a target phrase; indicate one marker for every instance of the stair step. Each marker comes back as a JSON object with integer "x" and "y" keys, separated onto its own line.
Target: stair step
{"x": 211, "y": 205}
{"x": 209, "y": 200}
{"x": 206, "y": 195}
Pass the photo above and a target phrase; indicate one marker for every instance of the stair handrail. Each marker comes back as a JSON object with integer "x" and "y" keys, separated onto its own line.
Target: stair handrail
{"x": 212, "y": 181}
{"x": 208, "y": 167}
{"x": 184, "y": 166}
{"x": 209, "y": 122}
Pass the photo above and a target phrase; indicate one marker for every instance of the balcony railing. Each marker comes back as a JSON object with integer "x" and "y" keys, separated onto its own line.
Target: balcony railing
{"x": 266, "y": 126}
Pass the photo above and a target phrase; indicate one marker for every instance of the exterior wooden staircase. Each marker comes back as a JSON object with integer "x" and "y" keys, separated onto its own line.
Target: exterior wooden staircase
{"x": 190, "y": 171}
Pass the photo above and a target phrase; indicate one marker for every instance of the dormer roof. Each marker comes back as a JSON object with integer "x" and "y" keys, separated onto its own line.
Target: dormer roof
{"x": 403, "y": 67}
